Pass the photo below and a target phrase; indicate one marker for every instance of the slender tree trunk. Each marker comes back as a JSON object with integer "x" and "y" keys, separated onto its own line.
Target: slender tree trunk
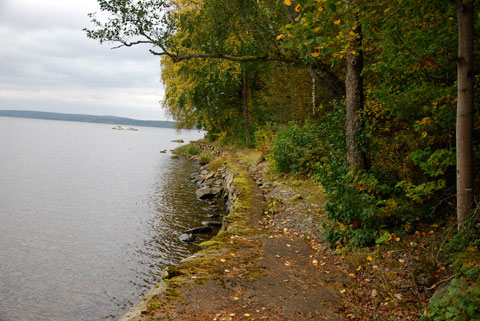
{"x": 246, "y": 124}
{"x": 354, "y": 103}
{"x": 464, "y": 111}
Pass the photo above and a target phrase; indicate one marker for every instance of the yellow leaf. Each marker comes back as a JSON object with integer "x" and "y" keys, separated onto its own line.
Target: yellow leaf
{"x": 343, "y": 291}
{"x": 236, "y": 299}
{"x": 280, "y": 36}
{"x": 297, "y": 8}
{"x": 337, "y": 21}
{"x": 397, "y": 239}
{"x": 288, "y": 2}
{"x": 316, "y": 53}
{"x": 247, "y": 314}
{"x": 320, "y": 9}
{"x": 359, "y": 268}
{"x": 369, "y": 258}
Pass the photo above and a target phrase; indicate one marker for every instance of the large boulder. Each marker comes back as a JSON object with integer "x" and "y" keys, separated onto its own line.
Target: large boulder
{"x": 186, "y": 237}
{"x": 208, "y": 193}
{"x": 212, "y": 223}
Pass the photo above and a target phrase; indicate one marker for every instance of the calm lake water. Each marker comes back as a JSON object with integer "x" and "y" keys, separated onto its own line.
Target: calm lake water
{"x": 88, "y": 217}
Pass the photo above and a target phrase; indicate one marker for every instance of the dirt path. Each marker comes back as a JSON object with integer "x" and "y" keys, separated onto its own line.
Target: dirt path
{"x": 256, "y": 269}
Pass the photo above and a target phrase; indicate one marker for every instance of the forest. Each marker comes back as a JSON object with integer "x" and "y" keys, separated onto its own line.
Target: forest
{"x": 376, "y": 100}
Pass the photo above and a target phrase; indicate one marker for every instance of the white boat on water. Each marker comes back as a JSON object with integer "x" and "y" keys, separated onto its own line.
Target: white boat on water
{"x": 119, "y": 127}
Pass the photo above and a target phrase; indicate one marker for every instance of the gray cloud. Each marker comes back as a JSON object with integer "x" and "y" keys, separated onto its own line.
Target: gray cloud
{"x": 47, "y": 63}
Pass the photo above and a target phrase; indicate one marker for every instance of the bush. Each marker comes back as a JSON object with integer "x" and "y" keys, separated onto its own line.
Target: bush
{"x": 460, "y": 301}
{"x": 296, "y": 149}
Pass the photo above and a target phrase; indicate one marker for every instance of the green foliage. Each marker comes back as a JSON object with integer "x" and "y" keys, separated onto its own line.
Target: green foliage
{"x": 461, "y": 299}
{"x": 296, "y": 148}
{"x": 459, "y": 302}
{"x": 409, "y": 49}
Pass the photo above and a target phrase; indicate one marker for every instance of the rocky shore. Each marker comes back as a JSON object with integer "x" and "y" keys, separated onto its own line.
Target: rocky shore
{"x": 215, "y": 187}
{"x": 255, "y": 267}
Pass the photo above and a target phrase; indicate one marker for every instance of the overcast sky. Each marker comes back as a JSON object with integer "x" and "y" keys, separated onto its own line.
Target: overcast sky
{"x": 47, "y": 63}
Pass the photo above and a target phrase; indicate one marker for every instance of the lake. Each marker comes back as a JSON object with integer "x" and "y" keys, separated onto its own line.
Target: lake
{"x": 89, "y": 216}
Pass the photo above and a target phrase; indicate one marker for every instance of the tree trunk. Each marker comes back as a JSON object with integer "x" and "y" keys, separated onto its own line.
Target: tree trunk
{"x": 246, "y": 124}
{"x": 354, "y": 103}
{"x": 464, "y": 111}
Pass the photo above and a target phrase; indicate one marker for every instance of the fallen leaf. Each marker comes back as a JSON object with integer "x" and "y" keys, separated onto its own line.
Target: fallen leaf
{"x": 315, "y": 262}
{"x": 236, "y": 298}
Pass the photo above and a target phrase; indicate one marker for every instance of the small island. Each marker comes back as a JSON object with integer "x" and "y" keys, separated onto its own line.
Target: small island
{"x": 119, "y": 127}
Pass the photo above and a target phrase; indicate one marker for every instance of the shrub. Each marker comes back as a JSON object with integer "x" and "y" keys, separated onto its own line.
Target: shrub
{"x": 296, "y": 149}
{"x": 460, "y": 301}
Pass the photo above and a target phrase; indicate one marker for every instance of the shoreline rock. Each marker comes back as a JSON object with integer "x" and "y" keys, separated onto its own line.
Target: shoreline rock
{"x": 210, "y": 186}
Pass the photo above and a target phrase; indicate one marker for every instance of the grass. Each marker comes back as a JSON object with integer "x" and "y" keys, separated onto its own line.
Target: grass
{"x": 189, "y": 149}
{"x": 205, "y": 158}
{"x": 216, "y": 163}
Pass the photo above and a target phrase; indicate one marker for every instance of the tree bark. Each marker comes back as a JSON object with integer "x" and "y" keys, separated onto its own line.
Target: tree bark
{"x": 246, "y": 124}
{"x": 354, "y": 103}
{"x": 464, "y": 125}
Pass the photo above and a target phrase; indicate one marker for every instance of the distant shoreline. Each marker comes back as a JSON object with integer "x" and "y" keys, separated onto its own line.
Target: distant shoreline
{"x": 87, "y": 118}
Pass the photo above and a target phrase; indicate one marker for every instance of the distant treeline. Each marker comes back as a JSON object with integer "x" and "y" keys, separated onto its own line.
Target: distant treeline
{"x": 87, "y": 118}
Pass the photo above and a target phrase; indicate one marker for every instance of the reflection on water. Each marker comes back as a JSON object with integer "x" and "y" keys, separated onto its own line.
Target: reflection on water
{"x": 177, "y": 210}
{"x": 89, "y": 217}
